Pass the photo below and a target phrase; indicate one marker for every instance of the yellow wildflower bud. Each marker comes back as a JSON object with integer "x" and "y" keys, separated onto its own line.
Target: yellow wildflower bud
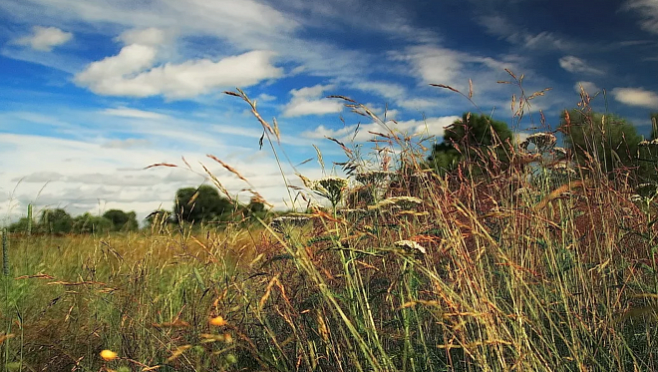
{"x": 108, "y": 355}
{"x": 218, "y": 321}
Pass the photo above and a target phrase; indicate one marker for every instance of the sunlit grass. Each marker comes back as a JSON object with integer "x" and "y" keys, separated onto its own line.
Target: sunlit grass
{"x": 392, "y": 268}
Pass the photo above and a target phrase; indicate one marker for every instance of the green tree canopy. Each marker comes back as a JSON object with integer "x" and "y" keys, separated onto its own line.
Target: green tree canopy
{"x": 90, "y": 224}
{"x": 203, "y": 204}
{"x": 465, "y": 137}
{"x": 122, "y": 221}
{"x": 609, "y": 139}
{"x": 56, "y": 221}
{"x": 159, "y": 217}
{"x": 20, "y": 226}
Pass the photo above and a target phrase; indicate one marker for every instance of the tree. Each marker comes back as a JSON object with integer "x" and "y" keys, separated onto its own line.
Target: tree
{"x": 55, "y": 221}
{"x": 467, "y": 138}
{"x": 158, "y": 217}
{"x": 90, "y": 224}
{"x": 122, "y": 221}
{"x": 20, "y": 226}
{"x": 202, "y": 204}
{"x": 609, "y": 139}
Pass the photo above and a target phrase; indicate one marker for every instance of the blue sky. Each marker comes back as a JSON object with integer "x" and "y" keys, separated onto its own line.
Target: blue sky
{"x": 93, "y": 91}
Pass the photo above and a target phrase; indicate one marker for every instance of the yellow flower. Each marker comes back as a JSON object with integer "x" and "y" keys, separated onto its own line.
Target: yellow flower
{"x": 108, "y": 355}
{"x": 218, "y": 321}
{"x": 228, "y": 338}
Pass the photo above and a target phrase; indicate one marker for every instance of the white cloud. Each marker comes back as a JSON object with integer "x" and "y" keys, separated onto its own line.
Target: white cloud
{"x": 430, "y": 126}
{"x": 126, "y": 143}
{"x": 133, "y": 113}
{"x": 588, "y": 86}
{"x": 636, "y": 97}
{"x": 151, "y": 36}
{"x": 433, "y": 64}
{"x": 384, "y": 89}
{"x": 266, "y": 97}
{"x": 45, "y": 38}
{"x": 577, "y": 65}
{"x": 648, "y": 11}
{"x": 308, "y": 101}
{"x": 131, "y": 73}
{"x": 505, "y": 28}
{"x": 90, "y": 177}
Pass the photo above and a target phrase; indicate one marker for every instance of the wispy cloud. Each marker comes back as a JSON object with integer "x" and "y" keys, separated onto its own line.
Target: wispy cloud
{"x": 577, "y": 65}
{"x": 133, "y": 113}
{"x": 647, "y": 10}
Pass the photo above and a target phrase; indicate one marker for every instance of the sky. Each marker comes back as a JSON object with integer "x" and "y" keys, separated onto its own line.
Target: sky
{"x": 94, "y": 91}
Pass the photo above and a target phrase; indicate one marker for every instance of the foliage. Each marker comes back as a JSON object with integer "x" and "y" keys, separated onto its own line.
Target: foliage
{"x": 90, "y": 224}
{"x": 470, "y": 138}
{"x": 202, "y": 204}
{"x": 609, "y": 139}
{"x": 55, "y": 221}
{"x": 122, "y": 221}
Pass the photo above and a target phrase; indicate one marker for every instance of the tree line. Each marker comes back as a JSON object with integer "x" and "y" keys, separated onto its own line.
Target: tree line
{"x": 192, "y": 205}
{"x": 609, "y": 140}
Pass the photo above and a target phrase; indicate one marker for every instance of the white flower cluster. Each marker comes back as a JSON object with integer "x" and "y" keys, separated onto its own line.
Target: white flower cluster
{"x": 410, "y": 245}
{"x": 543, "y": 142}
{"x": 653, "y": 142}
{"x": 405, "y": 202}
{"x": 281, "y": 224}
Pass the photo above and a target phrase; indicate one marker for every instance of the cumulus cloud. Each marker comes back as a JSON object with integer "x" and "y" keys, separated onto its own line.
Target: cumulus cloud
{"x": 309, "y": 101}
{"x": 636, "y": 97}
{"x": 45, "y": 38}
{"x": 430, "y": 126}
{"x": 132, "y": 73}
{"x": 577, "y": 65}
{"x": 588, "y": 86}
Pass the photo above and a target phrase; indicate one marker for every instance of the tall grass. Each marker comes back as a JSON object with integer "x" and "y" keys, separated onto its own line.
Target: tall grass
{"x": 492, "y": 268}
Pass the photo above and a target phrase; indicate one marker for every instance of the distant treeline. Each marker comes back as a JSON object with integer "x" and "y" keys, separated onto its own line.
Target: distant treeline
{"x": 192, "y": 206}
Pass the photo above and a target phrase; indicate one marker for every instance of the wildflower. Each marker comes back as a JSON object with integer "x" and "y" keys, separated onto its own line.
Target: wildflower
{"x": 330, "y": 188}
{"x": 560, "y": 151}
{"x": 411, "y": 246}
{"x": 653, "y": 142}
{"x": 406, "y": 202}
{"x": 543, "y": 142}
{"x": 218, "y": 321}
{"x": 355, "y": 211}
{"x": 108, "y": 355}
{"x": 280, "y": 224}
{"x": 228, "y": 338}
{"x": 370, "y": 177}
{"x": 636, "y": 198}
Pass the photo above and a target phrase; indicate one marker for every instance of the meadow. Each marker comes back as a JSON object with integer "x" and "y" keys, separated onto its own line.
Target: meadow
{"x": 526, "y": 266}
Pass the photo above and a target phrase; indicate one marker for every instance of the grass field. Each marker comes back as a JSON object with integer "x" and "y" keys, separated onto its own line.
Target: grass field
{"x": 515, "y": 269}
